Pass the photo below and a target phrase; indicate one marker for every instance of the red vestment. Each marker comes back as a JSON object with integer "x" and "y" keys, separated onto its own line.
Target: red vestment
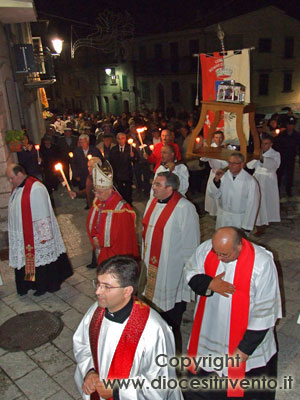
{"x": 112, "y": 222}
{"x": 239, "y": 310}
{"x": 155, "y": 156}
{"x": 124, "y": 354}
{"x": 28, "y": 230}
{"x": 158, "y": 239}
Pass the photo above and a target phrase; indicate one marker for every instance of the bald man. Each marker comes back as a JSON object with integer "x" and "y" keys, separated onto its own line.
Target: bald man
{"x": 239, "y": 303}
{"x": 36, "y": 249}
{"x": 237, "y": 194}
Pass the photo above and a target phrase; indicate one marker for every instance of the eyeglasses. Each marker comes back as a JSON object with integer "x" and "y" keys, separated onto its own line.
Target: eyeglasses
{"x": 104, "y": 286}
{"x": 234, "y": 163}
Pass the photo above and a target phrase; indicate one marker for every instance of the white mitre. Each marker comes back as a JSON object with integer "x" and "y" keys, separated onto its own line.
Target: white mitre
{"x": 102, "y": 176}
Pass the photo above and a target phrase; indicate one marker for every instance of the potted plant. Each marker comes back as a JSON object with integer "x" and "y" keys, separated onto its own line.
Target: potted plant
{"x": 14, "y": 139}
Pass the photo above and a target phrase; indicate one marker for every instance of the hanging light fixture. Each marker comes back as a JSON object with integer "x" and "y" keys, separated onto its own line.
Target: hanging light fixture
{"x": 57, "y": 45}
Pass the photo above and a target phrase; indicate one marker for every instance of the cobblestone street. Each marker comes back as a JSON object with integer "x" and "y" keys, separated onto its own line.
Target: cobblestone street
{"x": 47, "y": 372}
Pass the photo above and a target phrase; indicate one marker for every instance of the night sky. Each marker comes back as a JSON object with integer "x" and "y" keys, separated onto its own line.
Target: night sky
{"x": 152, "y": 16}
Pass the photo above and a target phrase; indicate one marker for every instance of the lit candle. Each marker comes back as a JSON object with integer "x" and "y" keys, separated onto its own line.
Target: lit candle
{"x": 71, "y": 155}
{"x": 139, "y": 131}
{"x": 198, "y": 140}
{"x": 89, "y": 156}
{"x": 151, "y": 147}
{"x": 58, "y": 167}
{"x": 277, "y": 131}
{"x": 134, "y": 145}
{"x": 37, "y": 147}
{"x": 130, "y": 141}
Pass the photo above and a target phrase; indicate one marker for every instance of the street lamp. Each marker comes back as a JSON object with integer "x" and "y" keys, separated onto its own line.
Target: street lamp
{"x": 57, "y": 45}
{"x": 111, "y": 72}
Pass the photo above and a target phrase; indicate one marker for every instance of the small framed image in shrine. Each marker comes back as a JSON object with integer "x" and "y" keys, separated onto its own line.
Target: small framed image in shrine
{"x": 232, "y": 93}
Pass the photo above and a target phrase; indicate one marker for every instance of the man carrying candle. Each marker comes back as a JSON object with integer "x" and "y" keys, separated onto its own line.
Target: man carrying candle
{"x": 29, "y": 159}
{"x": 111, "y": 221}
{"x": 66, "y": 145}
{"x": 36, "y": 249}
{"x": 50, "y": 156}
{"x": 106, "y": 145}
{"x": 88, "y": 191}
{"x": 80, "y": 159}
{"x": 121, "y": 158}
{"x": 155, "y": 156}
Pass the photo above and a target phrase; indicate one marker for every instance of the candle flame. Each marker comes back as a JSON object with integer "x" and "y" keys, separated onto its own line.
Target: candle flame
{"x": 58, "y": 167}
{"x": 37, "y": 146}
{"x": 140, "y": 130}
{"x": 71, "y": 154}
{"x": 198, "y": 140}
{"x": 151, "y": 147}
{"x": 89, "y": 156}
{"x": 133, "y": 145}
{"x": 130, "y": 141}
{"x": 277, "y": 131}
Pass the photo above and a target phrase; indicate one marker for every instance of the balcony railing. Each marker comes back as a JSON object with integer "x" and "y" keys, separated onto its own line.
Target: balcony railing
{"x": 37, "y": 65}
{"x": 44, "y": 64}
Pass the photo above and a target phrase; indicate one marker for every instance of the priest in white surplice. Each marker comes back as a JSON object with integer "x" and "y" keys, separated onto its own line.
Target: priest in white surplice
{"x": 210, "y": 203}
{"x": 170, "y": 236}
{"x": 120, "y": 337}
{"x": 36, "y": 249}
{"x": 168, "y": 163}
{"x": 265, "y": 173}
{"x": 238, "y": 195}
{"x": 239, "y": 300}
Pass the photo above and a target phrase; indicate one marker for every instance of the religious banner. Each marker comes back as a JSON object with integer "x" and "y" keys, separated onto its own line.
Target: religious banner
{"x": 218, "y": 67}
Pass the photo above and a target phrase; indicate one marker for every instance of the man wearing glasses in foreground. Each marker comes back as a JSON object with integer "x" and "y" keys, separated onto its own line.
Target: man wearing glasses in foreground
{"x": 120, "y": 337}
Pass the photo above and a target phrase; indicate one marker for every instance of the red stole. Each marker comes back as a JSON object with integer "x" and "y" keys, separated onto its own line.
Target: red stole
{"x": 239, "y": 309}
{"x": 28, "y": 230}
{"x": 157, "y": 239}
{"x": 98, "y": 228}
{"x": 123, "y": 357}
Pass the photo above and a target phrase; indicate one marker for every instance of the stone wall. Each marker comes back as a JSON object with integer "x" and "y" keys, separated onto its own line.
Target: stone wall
{"x": 5, "y": 123}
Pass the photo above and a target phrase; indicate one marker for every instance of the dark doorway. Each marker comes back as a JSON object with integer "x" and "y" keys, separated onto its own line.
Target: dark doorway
{"x": 126, "y": 106}
{"x": 106, "y": 105}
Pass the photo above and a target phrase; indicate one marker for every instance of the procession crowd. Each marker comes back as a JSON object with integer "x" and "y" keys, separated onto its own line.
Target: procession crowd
{"x": 234, "y": 281}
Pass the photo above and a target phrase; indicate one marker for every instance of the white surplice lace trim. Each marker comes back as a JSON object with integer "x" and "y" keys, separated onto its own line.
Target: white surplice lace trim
{"x": 44, "y": 253}
{"x": 44, "y": 229}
